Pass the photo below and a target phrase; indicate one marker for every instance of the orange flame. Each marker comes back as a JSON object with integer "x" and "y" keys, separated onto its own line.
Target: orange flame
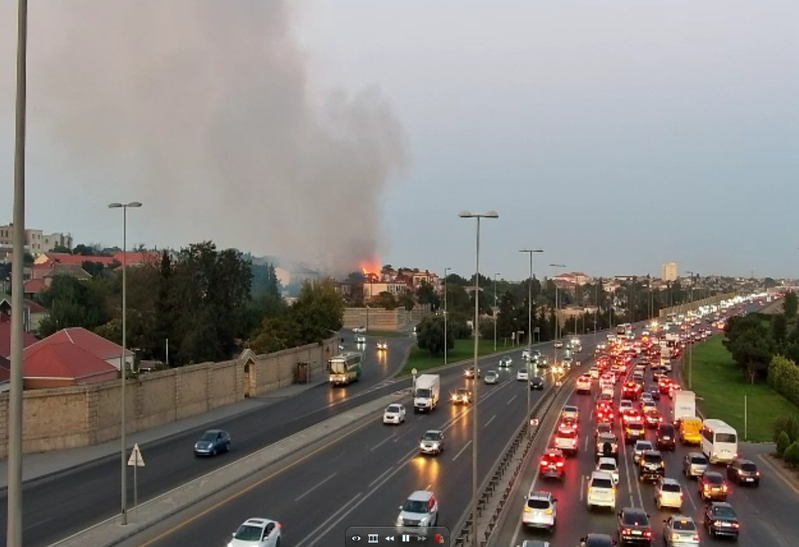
{"x": 370, "y": 267}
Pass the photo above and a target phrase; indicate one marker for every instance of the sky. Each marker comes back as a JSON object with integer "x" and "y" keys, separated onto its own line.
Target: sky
{"x": 615, "y": 135}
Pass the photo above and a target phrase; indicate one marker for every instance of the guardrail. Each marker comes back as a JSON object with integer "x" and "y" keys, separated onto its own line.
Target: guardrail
{"x": 466, "y": 527}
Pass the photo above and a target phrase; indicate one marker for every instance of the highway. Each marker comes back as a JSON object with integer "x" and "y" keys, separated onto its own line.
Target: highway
{"x": 364, "y": 477}
{"x": 57, "y": 506}
{"x": 767, "y": 514}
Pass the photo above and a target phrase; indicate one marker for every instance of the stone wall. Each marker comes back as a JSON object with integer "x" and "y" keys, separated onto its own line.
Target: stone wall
{"x": 75, "y": 416}
{"x": 383, "y": 319}
{"x": 691, "y": 306}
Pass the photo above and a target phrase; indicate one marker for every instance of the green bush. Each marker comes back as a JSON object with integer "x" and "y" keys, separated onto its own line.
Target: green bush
{"x": 791, "y": 455}
{"x": 783, "y": 377}
{"x": 788, "y": 424}
{"x": 783, "y": 442}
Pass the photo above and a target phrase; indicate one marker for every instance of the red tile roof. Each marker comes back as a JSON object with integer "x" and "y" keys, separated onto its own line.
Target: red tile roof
{"x": 65, "y": 258}
{"x": 34, "y": 286}
{"x": 63, "y": 360}
{"x": 139, "y": 258}
{"x": 86, "y": 339}
{"x": 34, "y": 307}
{"x": 5, "y": 336}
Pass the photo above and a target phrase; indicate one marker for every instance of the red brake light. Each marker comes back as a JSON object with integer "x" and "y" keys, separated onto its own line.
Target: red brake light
{"x": 648, "y": 533}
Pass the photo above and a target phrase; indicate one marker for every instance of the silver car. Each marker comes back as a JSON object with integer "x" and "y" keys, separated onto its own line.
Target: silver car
{"x": 680, "y": 531}
{"x": 419, "y": 510}
{"x": 540, "y": 510}
{"x": 694, "y": 465}
{"x": 640, "y": 448}
{"x": 668, "y": 493}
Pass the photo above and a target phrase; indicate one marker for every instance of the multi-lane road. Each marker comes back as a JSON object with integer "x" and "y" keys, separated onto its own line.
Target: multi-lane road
{"x": 767, "y": 514}
{"x": 57, "y": 506}
{"x": 361, "y": 479}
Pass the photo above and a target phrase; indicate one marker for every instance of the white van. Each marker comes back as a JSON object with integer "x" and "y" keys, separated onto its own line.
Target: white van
{"x": 601, "y": 491}
{"x": 719, "y": 441}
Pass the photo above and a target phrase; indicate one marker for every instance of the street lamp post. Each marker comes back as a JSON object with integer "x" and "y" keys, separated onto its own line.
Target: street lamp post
{"x": 494, "y": 311}
{"x": 14, "y": 492}
{"x": 123, "y": 365}
{"x": 475, "y": 384}
{"x": 446, "y": 271}
{"x": 557, "y": 314}
{"x": 529, "y": 331}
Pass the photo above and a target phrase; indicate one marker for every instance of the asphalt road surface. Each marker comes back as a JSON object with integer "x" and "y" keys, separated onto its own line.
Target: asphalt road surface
{"x": 767, "y": 514}
{"x": 363, "y": 478}
{"x": 60, "y": 505}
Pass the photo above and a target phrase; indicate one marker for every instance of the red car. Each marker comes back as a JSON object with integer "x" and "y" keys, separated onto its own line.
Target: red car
{"x": 631, "y": 416}
{"x": 604, "y": 413}
{"x": 553, "y": 463}
{"x": 630, "y": 390}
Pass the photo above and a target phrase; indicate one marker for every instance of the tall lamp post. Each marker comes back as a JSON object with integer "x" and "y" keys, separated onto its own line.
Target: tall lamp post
{"x": 14, "y": 496}
{"x": 529, "y": 329}
{"x": 475, "y": 384}
{"x": 494, "y": 311}
{"x": 446, "y": 273}
{"x": 123, "y": 365}
{"x": 557, "y": 313}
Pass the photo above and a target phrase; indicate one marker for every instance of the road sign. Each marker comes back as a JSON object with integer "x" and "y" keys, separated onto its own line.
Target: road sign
{"x": 136, "y": 459}
{"x": 534, "y": 421}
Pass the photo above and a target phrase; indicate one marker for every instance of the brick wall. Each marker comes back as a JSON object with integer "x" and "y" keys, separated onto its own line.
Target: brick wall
{"x": 382, "y": 319}
{"x": 75, "y": 416}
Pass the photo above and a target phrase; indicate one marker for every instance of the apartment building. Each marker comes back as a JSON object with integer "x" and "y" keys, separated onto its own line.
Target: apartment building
{"x": 36, "y": 241}
{"x": 669, "y": 271}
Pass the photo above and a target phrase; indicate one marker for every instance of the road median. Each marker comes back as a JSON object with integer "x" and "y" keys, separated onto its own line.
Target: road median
{"x": 111, "y": 532}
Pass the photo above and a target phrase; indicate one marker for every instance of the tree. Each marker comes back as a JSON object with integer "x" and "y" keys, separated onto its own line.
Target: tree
{"x": 318, "y": 311}
{"x": 385, "y": 300}
{"x": 790, "y": 305}
{"x": 72, "y": 303}
{"x": 779, "y": 328}
{"x": 62, "y": 249}
{"x": 430, "y": 335}
{"x": 752, "y": 350}
{"x": 406, "y": 301}
{"x": 92, "y": 268}
{"x": 275, "y": 334}
{"x": 507, "y": 315}
{"x": 426, "y": 294}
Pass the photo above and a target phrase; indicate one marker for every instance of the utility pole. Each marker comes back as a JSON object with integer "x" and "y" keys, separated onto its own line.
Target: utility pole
{"x": 494, "y": 311}
{"x": 446, "y": 340}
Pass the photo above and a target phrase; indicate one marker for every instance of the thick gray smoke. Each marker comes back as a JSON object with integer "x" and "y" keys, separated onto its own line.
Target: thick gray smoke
{"x": 204, "y": 109}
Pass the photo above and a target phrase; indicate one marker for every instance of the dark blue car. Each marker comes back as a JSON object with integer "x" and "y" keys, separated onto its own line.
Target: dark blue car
{"x": 212, "y": 443}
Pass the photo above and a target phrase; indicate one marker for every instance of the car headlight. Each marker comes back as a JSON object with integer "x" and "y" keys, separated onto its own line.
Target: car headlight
{"x": 399, "y": 521}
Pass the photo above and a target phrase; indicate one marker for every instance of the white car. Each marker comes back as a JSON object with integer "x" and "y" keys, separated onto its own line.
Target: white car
{"x": 601, "y": 491}
{"x": 609, "y": 465}
{"x": 257, "y": 532}
{"x": 558, "y": 344}
{"x": 382, "y": 346}
{"x": 668, "y": 493}
{"x": 394, "y": 414}
{"x": 570, "y": 411}
{"x": 360, "y": 339}
{"x": 419, "y": 510}
{"x": 567, "y": 441}
{"x": 584, "y": 384}
{"x": 540, "y": 511}
{"x": 625, "y": 404}
{"x": 594, "y": 372}
{"x": 522, "y": 376}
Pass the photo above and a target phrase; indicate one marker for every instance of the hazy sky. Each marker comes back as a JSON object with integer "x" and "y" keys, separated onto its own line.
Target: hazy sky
{"x": 616, "y": 135}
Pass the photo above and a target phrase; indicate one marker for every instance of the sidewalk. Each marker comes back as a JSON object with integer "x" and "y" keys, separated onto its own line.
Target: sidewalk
{"x": 43, "y": 464}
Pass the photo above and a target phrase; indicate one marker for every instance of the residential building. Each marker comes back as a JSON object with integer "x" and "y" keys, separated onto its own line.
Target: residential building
{"x": 33, "y": 313}
{"x": 572, "y": 278}
{"x": 36, "y": 241}
{"x": 372, "y": 289}
{"x": 5, "y": 374}
{"x": 92, "y": 343}
{"x": 5, "y": 337}
{"x": 669, "y": 271}
{"x": 59, "y": 364}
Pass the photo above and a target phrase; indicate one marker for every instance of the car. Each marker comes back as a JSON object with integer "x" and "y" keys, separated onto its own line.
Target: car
{"x": 649, "y": 406}
{"x": 506, "y": 362}
{"x": 569, "y": 423}
{"x": 593, "y": 372}
{"x": 607, "y": 446}
{"x": 607, "y": 390}
{"x": 359, "y": 329}
{"x": 603, "y": 413}
{"x": 382, "y": 346}
{"x": 419, "y": 510}
{"x": 601, "y": 491}
{"x": 668, "y": 493}
{"x": 468, "y": 373}
{"x": 492, "y": 377}
{"x": 721, "y": 520}
{"x": 664, "y": 384}
{"x": 570, "y": 411}
{"x": 602, "y": 427}
{"x": 540, "y": 511}
{"x": 634, "y": 527}
{"x": 712, "y": 486}
{"x": 680, "y": 530}
{"x": 639, "y": 449}
{"x": 630, "y": 390}
{"x": 462, "y": 397}
{"x": 584, "y": 384}
{"x": 609, "y": 465}
{"x": 257, "y": 532}
{"x": 646, "y": 396}
{"x": 652, "y": 418}
{"x": 655, "y": 392}
{"x": 537, "y": 383}
{"x": 522, "y": 375}
{"x": 568, "y": 363}
{"x": 625, "y": 404}
{"x": 360, "y": 339}
{"x": 631, "y": 416}
{"x": 694, "y": 465}
{"x": 553, "y": 464}
{"x": 394, "y": 414}
{"x": 651, "y": 465}
{"x": 212, "y": 443}
{"x": 666, "y": 437}
{"x": 605, "y": 399}
{"x": 673, "y": 388}
{"x": 558, "y": 344}
{"x": 432, "y": 442}
{"x": 634, "y": 432}
{"x": 743, "y": 471}
{"x": 596, "y": 540}
{"x": 567, "y": 440}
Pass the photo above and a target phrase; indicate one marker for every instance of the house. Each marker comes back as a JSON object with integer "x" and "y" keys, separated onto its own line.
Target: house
{"x": 572, "y": 279}
{"x": 33, "y": 312}
{"x": 92, "y": 343}
{"x": 63, "y": 363}
{"x": 5, "y": 374}
{"x": 5, "y": 336}
{"x": 70, "y": 270}
{"x": 32, "y": 287}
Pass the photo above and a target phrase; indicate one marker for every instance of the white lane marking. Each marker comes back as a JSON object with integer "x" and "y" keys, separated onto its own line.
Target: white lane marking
{"x": 381, "y": 443}
{"x": 627, "y": 471}
{"x": 510, "y": 400}
{"x": 586, "y": 443}
{"x": 383, "y": 474}
{"x": 582, "y": 487}
{"x": 461, "y": 450}
{"x": 316, "y": 531}
{"x": 491, "y": 420}
{"x": 320, "y": 483}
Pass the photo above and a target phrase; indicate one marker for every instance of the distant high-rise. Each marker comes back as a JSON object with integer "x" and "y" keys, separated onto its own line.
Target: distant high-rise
{"x": 669, "y": 271}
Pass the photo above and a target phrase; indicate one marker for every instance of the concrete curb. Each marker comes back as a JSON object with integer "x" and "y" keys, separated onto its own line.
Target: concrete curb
{"x": 110, "y": 532}
{"x": 791, "y": 479}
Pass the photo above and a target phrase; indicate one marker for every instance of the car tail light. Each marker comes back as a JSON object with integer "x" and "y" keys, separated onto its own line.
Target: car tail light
{"x": 626, "y": 531}
{"x": 543, "y": 463}
{"x": 559, "y": 464}
{"x": 707, "y": 487}
{"x": 279, "y": 526}
{"x": 724, "y": 487}
{"x": 696, "y": 537}
{"x": 736, "y": 525}
{"x": 648, "y": 533}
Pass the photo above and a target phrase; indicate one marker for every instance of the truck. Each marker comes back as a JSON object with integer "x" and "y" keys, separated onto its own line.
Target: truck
{"x": 426, "y": 392}
{"x": 684, "y": 406}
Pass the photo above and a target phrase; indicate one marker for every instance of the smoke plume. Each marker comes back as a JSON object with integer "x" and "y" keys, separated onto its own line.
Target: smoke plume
{"x": 204, "y": 110}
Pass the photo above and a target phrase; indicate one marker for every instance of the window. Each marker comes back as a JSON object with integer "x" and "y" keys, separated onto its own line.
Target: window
{"x": 538, "y": 503}
{"x": 684, "y": 525}
{"x": 635, "y": 519}
{"x": 671, "y": 487}
{"x": 415, "y": 506}
{"x": 700, "y": 460}
{"x": 599, "y": 482}
{"x": 724, "y": 512}
{"x": 749, "y": 467}
{"x": 726, "y": 438}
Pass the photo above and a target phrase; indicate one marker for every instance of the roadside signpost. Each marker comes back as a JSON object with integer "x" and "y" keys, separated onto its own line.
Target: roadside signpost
{"x": 135, "y": 461}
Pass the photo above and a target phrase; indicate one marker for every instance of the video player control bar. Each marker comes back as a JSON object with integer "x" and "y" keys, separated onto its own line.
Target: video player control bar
{"x": 393, "y": 536}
